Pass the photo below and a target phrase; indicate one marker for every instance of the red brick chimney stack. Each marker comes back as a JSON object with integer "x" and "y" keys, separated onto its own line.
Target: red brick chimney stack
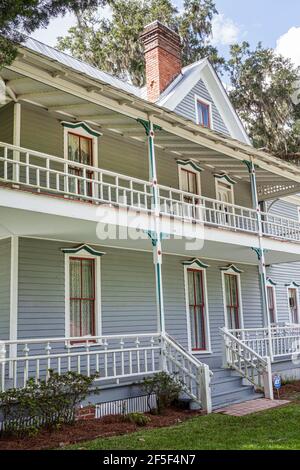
{"x": 162, "y": 57}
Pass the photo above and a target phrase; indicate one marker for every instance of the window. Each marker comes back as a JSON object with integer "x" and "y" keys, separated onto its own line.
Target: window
{"x": 224, "y": 194}
{"x": 271, "y": 303}
{"x": 197, "y": 311}
{"x": 82, "y": 297}
{"x": 203, "y": 113}
{"x": 189, "y": 182}
{"x": 231, "y": 285}
{"x": 293, "y": 304}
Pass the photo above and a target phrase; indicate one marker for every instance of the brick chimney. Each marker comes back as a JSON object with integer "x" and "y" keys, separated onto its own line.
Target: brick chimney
{"x": 162, "y": 57}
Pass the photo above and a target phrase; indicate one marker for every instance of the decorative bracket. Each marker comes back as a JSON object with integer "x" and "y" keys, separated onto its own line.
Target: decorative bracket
{"x": 153, "y": 236}
{"x": 147, "y": 127}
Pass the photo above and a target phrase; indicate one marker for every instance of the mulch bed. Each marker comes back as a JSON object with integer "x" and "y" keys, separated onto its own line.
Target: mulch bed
{"x": 85, "y": 430}
{"x": 289, "y": 391}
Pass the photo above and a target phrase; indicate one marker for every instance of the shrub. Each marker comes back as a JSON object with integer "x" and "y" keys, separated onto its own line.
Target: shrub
{"x": 165, "y": 387}
{"x": 137, "y": 418}
{"x": 43, "y": 403}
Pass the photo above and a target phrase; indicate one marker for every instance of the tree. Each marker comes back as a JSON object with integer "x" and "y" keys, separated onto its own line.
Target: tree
{"x": 112, "y": 44}
{"x": 21, "y": 17}
{"x": 263, "y": 84}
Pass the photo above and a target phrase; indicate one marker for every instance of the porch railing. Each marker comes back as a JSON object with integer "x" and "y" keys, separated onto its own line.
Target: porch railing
{"x": 115, "y": 359}
{"x": 277, "y": 341}
{"x": 248, "y": 363}
{"x": 48, "y": 174}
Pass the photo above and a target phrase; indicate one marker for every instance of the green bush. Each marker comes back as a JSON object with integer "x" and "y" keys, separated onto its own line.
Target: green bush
{"x": 166, "y": 388}
{"x": 137, "y": 418}
{"x": 43, "y": 403}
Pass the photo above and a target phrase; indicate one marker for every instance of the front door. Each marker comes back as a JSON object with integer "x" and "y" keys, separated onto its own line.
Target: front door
{"x": 293, "y": 305}
{"x": 80, "y": 151}
{"x": 232, "y": 299}
{"x": 225, "y": 196}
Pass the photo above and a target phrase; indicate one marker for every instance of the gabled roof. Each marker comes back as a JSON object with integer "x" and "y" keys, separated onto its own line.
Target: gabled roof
{"x": 185, "y": 82}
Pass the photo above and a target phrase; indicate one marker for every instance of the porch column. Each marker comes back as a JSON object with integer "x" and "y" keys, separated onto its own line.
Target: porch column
{"x": 156, "y": 234}
{"x": 16, "y": 138}
{"x": 14, "y": 274}
{"x": 260, "y": 250}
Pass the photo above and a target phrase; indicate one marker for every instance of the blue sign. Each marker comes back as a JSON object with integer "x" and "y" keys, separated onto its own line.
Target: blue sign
{"x": 277, "y": 382}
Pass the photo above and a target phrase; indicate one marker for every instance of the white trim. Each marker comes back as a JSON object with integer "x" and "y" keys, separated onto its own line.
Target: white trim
{"x": 241, "y": 314}
{"x": 16, "y": 136}
{"x": 270, "y": 285}
{"x": 196, "y": 267}
{"x": 207, "y": 103}
{"x": 98, "y": 315}
{"x": 230, "y": 187}
{"x": 190, "y": 168}
{"x": 292, "y": 286}
{"x": 14, "y": 288}
{"x": 82, "y": 132}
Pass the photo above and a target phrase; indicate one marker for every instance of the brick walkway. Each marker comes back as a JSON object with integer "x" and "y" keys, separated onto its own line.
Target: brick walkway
{"x": 252, "y": 406}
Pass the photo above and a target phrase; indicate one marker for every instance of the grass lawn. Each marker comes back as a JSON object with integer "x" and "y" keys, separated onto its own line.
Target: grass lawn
{"x": 274, "y": 429}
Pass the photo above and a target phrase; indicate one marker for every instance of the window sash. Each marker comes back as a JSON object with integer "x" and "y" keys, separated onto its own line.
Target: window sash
{"x": 197, "y": 311}
{"x": 271, "y": 303}
{"x": 82, "y": 296}
{"x": 293, "y": 305}
{"x": 203, "y": 110}
{"x": 232, "y": 301}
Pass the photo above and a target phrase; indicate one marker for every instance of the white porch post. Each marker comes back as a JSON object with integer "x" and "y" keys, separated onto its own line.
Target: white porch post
{"x": 14, "y": 272}
{"x": 16, "y": 138}
{"x": 155, "y": 235}
{"x": 260, "y": 254}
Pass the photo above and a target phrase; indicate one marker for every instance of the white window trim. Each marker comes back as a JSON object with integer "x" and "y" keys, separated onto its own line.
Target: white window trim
{"x": 195, "y": 266}
{"x": 292, "y": 286}
{"x": 190, "y": 168}
{"x": 98, "y": 316}
{"x": 269, "y": 284}
{"x": 224, "y": 181}
{"x": 231, "y": 271}
{"x": 209, "y": 104}
{"x": 83, "y": 133}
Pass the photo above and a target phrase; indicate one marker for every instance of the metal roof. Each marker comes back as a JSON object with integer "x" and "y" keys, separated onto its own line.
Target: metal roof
{"x": 80, "y": 66}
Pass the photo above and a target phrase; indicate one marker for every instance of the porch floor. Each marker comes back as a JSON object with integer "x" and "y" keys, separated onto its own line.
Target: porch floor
{"x": 251, "y": 406}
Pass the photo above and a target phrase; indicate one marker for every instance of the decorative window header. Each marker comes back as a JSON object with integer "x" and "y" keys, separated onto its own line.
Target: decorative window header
{"x": 191, "y": 163}
{"x": 195, "y": 261}
{"x": 86, "y": 248}
{"x": 271, "y": 282}
{"x": 224, "y": 176}
{"x": 292, "y": 284}
{"x": 81, "y": 125}
{"x": 231, "y": 268}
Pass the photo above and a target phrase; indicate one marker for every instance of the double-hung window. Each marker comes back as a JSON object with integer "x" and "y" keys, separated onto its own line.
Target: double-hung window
{"x": 232, "y": 301}
{"x": 271, "y": 303}
{"x": 203, "y": 111}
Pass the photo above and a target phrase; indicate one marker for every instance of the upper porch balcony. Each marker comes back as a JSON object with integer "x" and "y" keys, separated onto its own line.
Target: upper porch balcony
{"x": 40, "y": 173}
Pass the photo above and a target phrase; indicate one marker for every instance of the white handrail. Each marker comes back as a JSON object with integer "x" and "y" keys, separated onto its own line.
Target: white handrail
{"x": 248, "y": 363}
{"x": 113, "y": 357}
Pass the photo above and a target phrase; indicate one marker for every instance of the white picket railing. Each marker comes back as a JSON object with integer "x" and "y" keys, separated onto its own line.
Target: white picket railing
{"x": 248, "y": 363}
{"x": 194, "y": 375}
{"x": 54, "y": 175}
{"x": 209, "y": 211}
{"x": 277, "y": 341}
{"x": 115, "y": 358}
{"x": 48, "y": 174}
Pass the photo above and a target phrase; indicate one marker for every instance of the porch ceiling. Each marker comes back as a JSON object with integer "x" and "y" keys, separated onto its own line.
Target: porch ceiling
{"x": 70, "y": 95}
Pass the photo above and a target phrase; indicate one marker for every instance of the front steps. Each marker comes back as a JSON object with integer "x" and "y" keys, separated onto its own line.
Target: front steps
{"x": 227, "y": 388}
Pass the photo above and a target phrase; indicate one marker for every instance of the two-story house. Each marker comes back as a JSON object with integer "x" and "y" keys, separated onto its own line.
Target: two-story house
{"x": 132, "y": 236}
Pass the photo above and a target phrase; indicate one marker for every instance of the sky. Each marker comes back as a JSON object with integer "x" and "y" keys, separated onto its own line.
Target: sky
{"x": 276, "y": 23}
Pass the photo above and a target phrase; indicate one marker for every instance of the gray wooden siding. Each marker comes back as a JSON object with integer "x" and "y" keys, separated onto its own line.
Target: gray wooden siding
{"x": 128, "y": 294}
{"x": 6, "y": 124}
{"x": 187, "y": 107}
{"x": 286, "y": 272}
{"x": 4, "y": 288}
{"x": 43, "y": 132}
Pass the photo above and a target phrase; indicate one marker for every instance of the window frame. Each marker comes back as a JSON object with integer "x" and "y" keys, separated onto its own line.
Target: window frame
{"x": 81, "y": 130}
{"x": 239, "y": 286}
{"x": 196, "y": 267}
{"x": 208, "y": 104}
{"x": 272, "y": 286}
{"x": 83, "y": 254}
{"x": 224, "y": 181}
{"x": 189, "y": 168}
{"x": 296, "y": 288}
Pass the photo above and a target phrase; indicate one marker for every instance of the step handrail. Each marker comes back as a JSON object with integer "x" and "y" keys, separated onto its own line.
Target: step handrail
{"x": 195, "y": 376}
{"x": 248, "y": 363}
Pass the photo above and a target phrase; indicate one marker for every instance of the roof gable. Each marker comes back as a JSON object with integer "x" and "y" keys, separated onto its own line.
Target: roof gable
{"x": 189, "y": 78}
